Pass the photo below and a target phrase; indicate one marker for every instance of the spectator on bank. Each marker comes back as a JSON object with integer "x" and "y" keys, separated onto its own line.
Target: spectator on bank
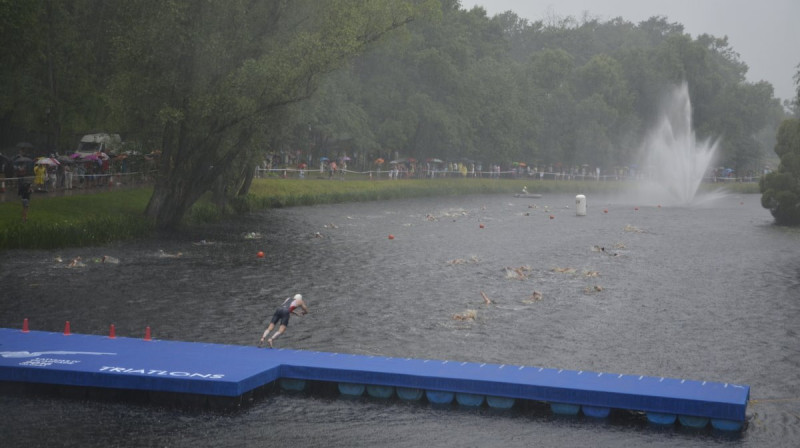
{"x": 39, "y": 173}
{"x": 332, "y": 169}
{"x": 52, "y": 177}
{"x": 25, "y": 191}
{"x": 80, "y": 171}
{"x": 60, "y": 181}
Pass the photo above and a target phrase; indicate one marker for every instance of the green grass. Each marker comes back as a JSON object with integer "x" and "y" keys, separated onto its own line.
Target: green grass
{"x": 103, "y": 217}
{"x": 270, "y": 193}
{"x": 733, "y": 187}
{"x": 79, "y": 220}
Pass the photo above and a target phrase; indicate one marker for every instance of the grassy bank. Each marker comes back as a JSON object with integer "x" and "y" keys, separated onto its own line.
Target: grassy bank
{"x": 99, "y": 218}
{"x": 269, "y": 193}
{"x": 73, "y": 221}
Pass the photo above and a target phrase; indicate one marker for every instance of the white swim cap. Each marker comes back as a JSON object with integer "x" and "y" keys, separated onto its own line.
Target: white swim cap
{"x": 298, "y": 297}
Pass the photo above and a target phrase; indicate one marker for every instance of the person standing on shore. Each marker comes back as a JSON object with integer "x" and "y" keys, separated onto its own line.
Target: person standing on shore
{"x": 67, "y": 177}
{"x": 25, "y": 191}
{"x": 281, "y": 315}
{"x": 40, "y": 173}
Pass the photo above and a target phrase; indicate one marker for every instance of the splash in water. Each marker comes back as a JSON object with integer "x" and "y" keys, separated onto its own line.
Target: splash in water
{"x": 675, "y": 162}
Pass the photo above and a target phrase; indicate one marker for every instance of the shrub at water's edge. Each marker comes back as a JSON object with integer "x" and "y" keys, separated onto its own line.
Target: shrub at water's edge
{"x": 100, "y": 218}
{"x": 781, "y": 189}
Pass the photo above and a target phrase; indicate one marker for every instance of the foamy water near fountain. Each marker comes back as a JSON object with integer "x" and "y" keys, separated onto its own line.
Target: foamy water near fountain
{"x": 675, "y": 162}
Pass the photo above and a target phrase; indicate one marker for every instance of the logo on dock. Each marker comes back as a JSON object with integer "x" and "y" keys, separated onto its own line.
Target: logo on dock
{"x": 157, "y": 372}
{"x": 25, "y": 354}
{"x": 36, "y": 358}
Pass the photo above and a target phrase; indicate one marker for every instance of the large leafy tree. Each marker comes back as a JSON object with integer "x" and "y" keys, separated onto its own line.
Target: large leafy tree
{"x": 433, "y": 93}
{"x": 781, "y": 189}
{"x": 54, "y": 57}
{"x": 549, "y": 98}
{"x": 603, "y": 111}
{"x": 741, "y": 111}
{"x": 206, "y": 76}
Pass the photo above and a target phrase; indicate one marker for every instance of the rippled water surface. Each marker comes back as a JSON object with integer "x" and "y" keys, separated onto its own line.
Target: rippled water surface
{"x": 709, "y": 292}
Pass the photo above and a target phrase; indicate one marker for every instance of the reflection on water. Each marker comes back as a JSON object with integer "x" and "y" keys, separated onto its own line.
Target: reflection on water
{"x": 701, "y": 293}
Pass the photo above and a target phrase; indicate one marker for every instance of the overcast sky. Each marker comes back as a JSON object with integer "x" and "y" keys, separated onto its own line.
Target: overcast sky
{"x": 765, "y": 33}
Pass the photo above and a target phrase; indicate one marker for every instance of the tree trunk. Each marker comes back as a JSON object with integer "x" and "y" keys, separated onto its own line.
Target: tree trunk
{"x": 165, "y": 208}
{"x": 250, "y": 173}
{"x": 172, "y": 198}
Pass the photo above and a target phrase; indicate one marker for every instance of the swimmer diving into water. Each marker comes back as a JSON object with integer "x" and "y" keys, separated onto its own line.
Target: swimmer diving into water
{"x": 281, "y": 315}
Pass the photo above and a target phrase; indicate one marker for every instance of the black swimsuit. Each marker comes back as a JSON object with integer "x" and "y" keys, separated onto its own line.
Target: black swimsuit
{"x": 283, "y": 312}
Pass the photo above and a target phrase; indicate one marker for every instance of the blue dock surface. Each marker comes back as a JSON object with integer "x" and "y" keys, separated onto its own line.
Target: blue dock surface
{"x": 231, "y": 371}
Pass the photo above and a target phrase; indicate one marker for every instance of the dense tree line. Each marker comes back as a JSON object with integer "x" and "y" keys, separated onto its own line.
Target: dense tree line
{"x": 217, "y": 84}
{"x": 567, "y": 93}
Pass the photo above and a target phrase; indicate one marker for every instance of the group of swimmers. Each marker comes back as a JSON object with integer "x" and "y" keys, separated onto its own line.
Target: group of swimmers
{"x": 77, "y": 262}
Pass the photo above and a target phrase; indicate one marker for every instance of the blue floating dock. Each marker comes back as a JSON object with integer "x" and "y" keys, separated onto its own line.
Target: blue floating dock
{"x": 232, "y": 371}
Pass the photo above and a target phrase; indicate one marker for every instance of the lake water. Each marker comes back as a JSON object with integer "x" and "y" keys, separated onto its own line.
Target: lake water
{"x": 708, "y": 292}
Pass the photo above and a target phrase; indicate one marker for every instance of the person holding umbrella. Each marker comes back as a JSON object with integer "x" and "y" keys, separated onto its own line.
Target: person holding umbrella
{"x": 40, "y": 172}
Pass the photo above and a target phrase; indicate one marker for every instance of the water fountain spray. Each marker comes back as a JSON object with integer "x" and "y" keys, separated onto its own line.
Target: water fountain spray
{"x": 675, "y": 161}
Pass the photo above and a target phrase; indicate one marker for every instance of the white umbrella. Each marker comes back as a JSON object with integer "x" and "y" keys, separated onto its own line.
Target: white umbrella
{"x": 47, "y": 161}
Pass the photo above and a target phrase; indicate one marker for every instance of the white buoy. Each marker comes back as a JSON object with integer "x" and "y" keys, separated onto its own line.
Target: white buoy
{"x": 580, "y": 205}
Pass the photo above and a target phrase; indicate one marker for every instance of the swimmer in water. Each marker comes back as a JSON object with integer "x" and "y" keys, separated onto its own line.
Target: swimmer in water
{"x": 613, "y": 254}
{"x": 163, "y": 254}
{"x": 281, "y": 315}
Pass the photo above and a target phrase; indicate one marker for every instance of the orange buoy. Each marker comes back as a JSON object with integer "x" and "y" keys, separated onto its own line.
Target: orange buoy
{"x": 481, "y": 226}
{"x": 552, "y": 217}
{"x": 260, "y": 254}
{"x": 391, "y": 237}
{"x": 605, "y": 210}
{"x": 636, "y": 208}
